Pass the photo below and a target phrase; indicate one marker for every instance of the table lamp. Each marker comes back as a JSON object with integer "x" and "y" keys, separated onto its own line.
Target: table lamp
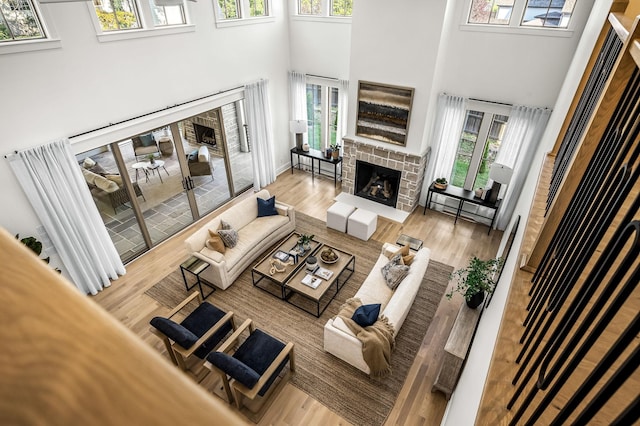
{"x": 298, "y": 127}
{"x": 501, "y": 175}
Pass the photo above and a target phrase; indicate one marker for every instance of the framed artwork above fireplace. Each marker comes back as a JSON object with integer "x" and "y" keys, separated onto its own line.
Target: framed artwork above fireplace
{"x": 383, "y": 112}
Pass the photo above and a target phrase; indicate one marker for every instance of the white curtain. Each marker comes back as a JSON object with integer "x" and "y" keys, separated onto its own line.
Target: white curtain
{"x": 53, "y": 182}
{"x": 260, "y": 133}
{"x": 343, "y": 109}
{"x": 522, "y": 136}
{"x": 298, "y": 95}
{"x": 446, "y": 133}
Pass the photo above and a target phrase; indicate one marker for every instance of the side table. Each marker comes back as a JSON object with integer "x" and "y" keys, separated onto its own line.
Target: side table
{"x": 195, "y": 266}
{"x": 166, "y": 145}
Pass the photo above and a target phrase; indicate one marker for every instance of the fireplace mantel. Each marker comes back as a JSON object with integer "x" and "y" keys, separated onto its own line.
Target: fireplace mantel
{"x": 411, "y": 166}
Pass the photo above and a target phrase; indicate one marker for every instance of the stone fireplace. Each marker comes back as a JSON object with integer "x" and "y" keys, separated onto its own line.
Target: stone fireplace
{"x": 377, "y": 183}
{"x": 204, "y": 134}
{"x": 408, "y": 169}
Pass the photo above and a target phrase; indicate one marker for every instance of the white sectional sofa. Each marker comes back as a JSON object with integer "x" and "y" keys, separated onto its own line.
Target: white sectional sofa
{"x": 255, "y": 235}
{"x": 340, "y": 341}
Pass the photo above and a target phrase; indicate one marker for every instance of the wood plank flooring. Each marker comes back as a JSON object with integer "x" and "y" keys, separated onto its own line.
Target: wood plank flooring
{"x": 449, "y": 243}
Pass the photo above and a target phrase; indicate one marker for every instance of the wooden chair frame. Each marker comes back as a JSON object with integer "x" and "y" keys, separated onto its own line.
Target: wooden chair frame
{"x": 236, "y": 391}
{"x": 177, "y": 353}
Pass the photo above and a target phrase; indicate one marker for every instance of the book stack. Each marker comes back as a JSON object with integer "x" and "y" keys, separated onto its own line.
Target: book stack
{"x": 311, "y": 281}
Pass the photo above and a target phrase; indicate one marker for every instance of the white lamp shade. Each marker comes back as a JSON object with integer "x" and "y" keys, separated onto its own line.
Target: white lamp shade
{"x": 500, "y": 173}
{"x": 298, "y": 126}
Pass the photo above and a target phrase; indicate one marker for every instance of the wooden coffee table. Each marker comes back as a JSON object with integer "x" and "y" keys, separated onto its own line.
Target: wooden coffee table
{"x": 316, "y": 300}
{"x": 274, "y": 283}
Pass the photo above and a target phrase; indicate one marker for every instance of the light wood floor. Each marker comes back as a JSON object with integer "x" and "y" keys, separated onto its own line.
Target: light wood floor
{"x": 449, "y": 243}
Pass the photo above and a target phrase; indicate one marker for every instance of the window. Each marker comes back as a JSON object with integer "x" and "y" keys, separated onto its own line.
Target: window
{"x": 19, "y": 21}
{"x": 548, "y": 13}
{"x": 534, "y": 13}
{"x": 479, "y": 144}
{"x": 325, "y": 8}
{"x": 238, "y": 12}
{"x": 167, "y": 15}
{"x": 115, "y": 15}
{"x": 322, "y": 115}
{"x": 258, "y": 8}
{"x": 228, "y": 9}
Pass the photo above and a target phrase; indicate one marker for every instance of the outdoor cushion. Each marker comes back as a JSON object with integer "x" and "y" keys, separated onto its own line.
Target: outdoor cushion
{"x": 147, "y": 140}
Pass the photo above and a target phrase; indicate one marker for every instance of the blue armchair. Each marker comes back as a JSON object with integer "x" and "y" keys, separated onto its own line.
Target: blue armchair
{"x": 253, "y": 368}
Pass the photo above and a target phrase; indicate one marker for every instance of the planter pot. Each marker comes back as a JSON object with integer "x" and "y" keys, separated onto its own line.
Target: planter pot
{"x": 476, "y": 300}
{"x": 335, "y": 154}
{"x": 440, "y": 185}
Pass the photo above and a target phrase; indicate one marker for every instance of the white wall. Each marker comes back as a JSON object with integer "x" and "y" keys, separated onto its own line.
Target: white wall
{"x": 396, "y": 43}
{"x": 464, "y": 402}
{"x": 87, "y": 84}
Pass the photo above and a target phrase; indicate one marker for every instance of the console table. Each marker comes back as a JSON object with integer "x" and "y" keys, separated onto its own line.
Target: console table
{"x": 464, "y": 196}
{"x": 456, "y": 349}
{"x": 317, "y": 155}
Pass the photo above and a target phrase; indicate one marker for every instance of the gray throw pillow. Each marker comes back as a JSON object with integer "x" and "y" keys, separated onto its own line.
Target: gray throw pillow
{"x": 394, "y": 271}
{"x": 228, "y": 235}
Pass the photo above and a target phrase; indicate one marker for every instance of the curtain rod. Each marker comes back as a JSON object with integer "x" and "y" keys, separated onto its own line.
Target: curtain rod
{"x": 321, "y": 76}
{"x": 490, "y": 102}
{"x": 156, "y": 111}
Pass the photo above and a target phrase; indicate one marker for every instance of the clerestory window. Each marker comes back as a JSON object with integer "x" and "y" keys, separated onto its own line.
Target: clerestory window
{"x": 522, "y": 13}
{"x": 19, "y": 20}
{"x": 242, "y": 11}
{"x": 325, "y": 8}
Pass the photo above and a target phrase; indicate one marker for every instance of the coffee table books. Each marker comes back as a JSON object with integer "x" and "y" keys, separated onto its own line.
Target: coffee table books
{"x": 323, "y": 273}
{"x": 311, "y": 281}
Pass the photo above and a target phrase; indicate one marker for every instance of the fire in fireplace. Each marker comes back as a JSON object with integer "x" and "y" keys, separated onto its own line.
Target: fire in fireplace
{"x": 204, "y": 134}
{"x": 377, "y": 183}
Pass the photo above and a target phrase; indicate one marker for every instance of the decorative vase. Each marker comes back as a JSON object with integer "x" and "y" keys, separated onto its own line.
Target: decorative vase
{"x": 476, "y": 300}
{"x": 305, "y": 147}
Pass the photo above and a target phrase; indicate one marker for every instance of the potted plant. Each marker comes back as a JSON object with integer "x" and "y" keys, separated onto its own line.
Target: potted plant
{"x": 440, "y": 183}
{"x": 152, "y": 158}
{"x": 475, "y": 280}
{"x": 305, "y": 241}
{"x": 335, "y": 150}
{"x": 36, "y": 247}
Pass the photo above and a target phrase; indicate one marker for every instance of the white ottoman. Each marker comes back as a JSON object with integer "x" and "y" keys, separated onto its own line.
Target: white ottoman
{"x": 337, "y": 216}
{"x": 362, "y": 224}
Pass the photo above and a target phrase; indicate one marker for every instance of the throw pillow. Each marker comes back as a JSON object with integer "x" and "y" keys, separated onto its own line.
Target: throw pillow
{"x": 366, "y": 315}
{"x": 215, "y": 242}
{"x": 394, "y": 271}
{"x": 407, "y": 257}
{"x": 228, "y": 235}
{"x": 267, "y": 207}
{"x": 147, "y": 140}
{"x": 193, "y": 155}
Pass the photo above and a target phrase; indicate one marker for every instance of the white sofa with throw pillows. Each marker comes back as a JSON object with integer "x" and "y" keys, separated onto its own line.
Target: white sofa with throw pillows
{"x": 377, "y": 311}
{"x": 233, "y": 240}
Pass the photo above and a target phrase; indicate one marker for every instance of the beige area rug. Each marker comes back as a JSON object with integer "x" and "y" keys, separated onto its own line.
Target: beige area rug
{"x": 353, "y": 395}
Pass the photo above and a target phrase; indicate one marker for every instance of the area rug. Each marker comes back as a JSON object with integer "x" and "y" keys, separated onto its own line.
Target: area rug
{"x": 347, "y": 391}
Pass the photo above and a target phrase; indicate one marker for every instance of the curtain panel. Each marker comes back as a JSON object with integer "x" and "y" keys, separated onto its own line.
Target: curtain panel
{"x": 260, "y": 133}
{"x": 53, "y": 183}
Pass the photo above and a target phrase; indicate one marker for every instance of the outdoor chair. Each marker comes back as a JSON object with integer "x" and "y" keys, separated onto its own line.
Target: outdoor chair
{"x": 253, "y": 368}
{"x": 198, "y": 334}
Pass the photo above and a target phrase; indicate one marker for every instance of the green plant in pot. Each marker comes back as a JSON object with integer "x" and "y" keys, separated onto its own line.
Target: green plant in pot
{"x": 35, "y": 246}
{"x": 335, "y": 150}
{"x": 475, "y": 281}
{"x": 440, "y": 183}
{"x": 305, "y": 241}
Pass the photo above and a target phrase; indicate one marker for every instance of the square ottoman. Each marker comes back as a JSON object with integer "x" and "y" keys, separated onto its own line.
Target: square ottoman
{"x": 337, "y": 216}
{"x": 362, "y": 224}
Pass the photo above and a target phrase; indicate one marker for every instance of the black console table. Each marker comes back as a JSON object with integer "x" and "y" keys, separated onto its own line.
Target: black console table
{"x": 317, "y": 155}
{"x": 464, "y": 196}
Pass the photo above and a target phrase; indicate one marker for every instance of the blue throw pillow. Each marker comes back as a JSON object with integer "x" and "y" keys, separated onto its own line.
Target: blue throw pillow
{"x": 267, "y": 207}
{"x": 193, "y": 155}
{"x": 366, "y": 315}
{"x": 147, "y": 140}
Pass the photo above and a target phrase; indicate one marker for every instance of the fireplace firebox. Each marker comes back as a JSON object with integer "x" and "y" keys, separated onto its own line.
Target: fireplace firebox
{"x": 204, "y": 134}
{"x": 377, "y": 183}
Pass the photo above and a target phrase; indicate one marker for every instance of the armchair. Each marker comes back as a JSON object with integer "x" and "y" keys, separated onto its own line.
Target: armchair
{"x": 199, "y": 162}
{"x": 198, "y": 334}
{"x": 253, "y": 368}
{"x": 143, "y": 145}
